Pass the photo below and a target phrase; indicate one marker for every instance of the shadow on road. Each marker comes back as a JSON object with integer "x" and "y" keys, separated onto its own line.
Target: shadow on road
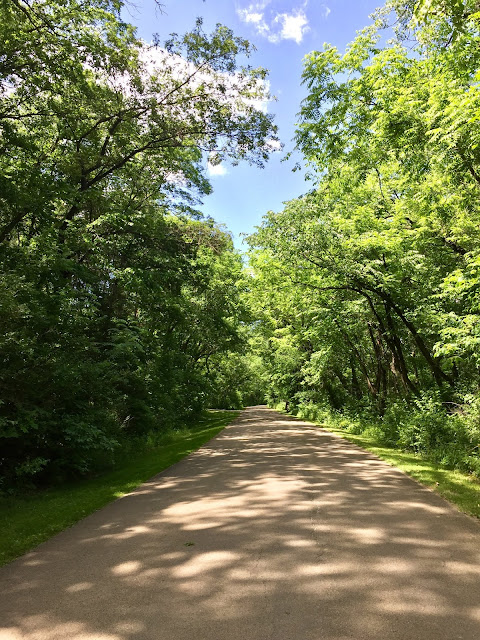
{"x": 273, "y": 530}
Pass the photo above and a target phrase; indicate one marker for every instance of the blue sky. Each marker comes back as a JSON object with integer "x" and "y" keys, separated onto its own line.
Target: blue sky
{"x": 283, "y": 31}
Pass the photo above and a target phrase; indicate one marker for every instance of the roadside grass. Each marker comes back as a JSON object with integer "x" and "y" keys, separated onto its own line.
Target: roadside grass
{"x": 461, "y": 489}
{"x": 27, "y": 520}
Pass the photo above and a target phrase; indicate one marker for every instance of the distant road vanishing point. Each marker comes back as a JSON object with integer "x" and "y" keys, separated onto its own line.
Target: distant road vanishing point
{"x": 274, "y": 530}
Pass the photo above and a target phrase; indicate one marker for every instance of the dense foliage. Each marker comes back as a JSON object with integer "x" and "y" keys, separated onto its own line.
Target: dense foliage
{"x": 367, "y": 288}
{"x": 116, "y": 297}
{"x": 124, "y": 312}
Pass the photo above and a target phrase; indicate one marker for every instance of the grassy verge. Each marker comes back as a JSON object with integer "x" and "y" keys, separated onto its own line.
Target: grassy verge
{"x": 26, "y": 521}
{"x": 461, "y": 489}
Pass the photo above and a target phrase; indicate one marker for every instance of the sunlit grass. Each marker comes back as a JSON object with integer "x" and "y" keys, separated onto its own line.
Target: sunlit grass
{"x": 26, "y": 521}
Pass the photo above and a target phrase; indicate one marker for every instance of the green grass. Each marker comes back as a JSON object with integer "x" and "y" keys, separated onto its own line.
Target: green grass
{"x": 26, "y": 521}
{"x": 459, "y": 488}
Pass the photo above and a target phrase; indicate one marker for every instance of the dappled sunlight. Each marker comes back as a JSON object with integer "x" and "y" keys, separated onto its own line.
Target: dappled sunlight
{"x": 421, "y": 506}
{"x": 204, "y": 562}
{"x": 126, "y": 568}
{"x": 52, "y": 630}
{"x": 275, "y": 530}
{"x": 80, "y": 586}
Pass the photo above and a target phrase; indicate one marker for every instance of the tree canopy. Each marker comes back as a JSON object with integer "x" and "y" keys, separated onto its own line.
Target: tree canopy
{"x": 116, "y": 295}
{"x": 378, "y": 263}
{"x": 124, "y": 311}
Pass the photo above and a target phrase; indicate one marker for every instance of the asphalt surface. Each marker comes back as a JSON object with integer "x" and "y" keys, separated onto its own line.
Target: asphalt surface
{"x": 274, "y": 530}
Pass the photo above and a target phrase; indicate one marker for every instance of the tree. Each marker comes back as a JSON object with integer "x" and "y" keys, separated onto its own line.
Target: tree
{"x": 385, "y": 247}
{"x": 114, "y": 291}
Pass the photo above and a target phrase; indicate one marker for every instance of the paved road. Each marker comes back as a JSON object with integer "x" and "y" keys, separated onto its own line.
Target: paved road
{"x": 275, "y": 530}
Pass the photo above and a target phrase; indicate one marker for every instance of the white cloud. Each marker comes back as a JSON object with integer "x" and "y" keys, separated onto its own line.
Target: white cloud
{"x": 223, "y": 86}
{"x": 216, "y": 169}
{"x": 326, "y": 11}
{"x": 247, "y": 17}
{"x": 254, "y": 15}
{"x": 294, "y": 25}
{"x": 176, "y": 177}
{"x": 274, "y": 145}
{"x": 278, "y": 26}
